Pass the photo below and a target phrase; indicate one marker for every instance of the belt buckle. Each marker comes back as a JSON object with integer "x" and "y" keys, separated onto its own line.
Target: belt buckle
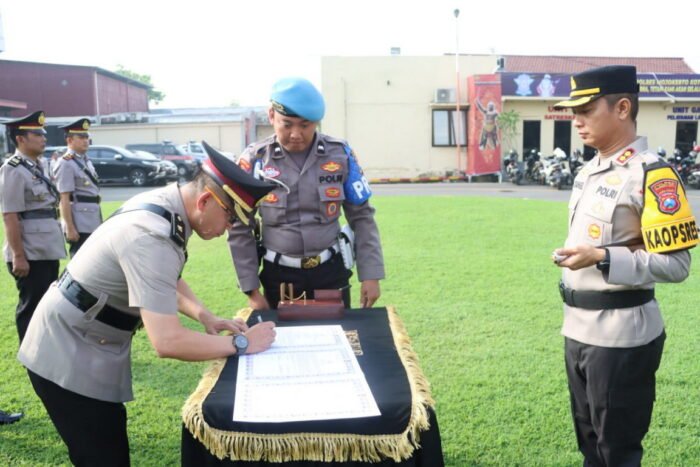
{"x": 310, "y": 262}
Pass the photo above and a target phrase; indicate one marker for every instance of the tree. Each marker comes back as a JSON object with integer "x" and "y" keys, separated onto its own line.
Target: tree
{"x": 153, "y": 94}
{"x": 508, "y": 123}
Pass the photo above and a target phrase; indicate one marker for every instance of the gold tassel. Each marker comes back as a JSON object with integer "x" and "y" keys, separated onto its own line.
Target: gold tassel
{"x": 321, "y": 447}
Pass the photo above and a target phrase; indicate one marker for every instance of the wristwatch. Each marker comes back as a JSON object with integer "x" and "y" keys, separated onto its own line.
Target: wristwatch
{"x": 604, "y": 265}
{"x": 240, "y": 342}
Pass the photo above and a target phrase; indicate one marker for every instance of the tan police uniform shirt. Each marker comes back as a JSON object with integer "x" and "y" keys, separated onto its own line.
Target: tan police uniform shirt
{"x": 70, "y": 178}
{"x": 129, "y": 262}
{"x": 605, "y": 211}
{"x": 306, "y": 221}
{"x": 22, "y": 190}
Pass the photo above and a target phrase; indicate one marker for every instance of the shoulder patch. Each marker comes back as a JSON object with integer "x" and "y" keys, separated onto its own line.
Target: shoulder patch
{"x": 668, "y": 223}
{"x": 14, "y": 161}
{"x": 626, "y": 155}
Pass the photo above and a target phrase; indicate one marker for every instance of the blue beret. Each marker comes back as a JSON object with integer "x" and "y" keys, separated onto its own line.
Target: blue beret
{"x": 297, "y": 97}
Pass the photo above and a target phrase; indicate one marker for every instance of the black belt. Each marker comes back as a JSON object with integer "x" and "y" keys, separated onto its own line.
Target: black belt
{"x": 85, "y": 199}
{"x": 592, "y": 300}
{"x": 84, "y": 300}
{"x": 39, "y": 214}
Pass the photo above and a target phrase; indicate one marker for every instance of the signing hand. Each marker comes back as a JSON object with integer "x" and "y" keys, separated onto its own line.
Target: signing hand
{"x": 260, "y": 337}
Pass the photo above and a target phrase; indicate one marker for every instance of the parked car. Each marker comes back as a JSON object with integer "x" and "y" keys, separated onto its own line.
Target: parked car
{"x": 118, "y": 165}
{"x": 195, "y": 150}
{"x": 170, "y": 168}
{"x": 186, "y": 164}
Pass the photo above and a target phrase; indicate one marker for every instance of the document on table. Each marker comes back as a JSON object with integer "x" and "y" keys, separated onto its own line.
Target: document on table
{"x": 309, "y": 373}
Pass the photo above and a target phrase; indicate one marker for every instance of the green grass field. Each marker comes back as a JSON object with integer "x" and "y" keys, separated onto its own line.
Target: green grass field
{"x": 472, "y": 280}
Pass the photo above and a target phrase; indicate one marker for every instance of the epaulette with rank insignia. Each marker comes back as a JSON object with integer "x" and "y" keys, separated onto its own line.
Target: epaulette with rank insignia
{"x": 625, "y": 157}
{"x": 68, "y": 156}
{"x": 14, "y": 161}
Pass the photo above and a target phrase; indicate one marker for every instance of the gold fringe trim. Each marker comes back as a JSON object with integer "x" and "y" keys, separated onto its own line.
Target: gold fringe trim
{"x": 323, "y": 447}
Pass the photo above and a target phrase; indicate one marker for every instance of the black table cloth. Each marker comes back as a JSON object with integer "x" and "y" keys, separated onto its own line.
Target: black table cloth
{"x": 406, "y": 432}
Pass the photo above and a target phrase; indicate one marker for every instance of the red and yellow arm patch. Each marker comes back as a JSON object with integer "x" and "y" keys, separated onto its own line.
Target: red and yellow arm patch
{"x": 668, "y": 223}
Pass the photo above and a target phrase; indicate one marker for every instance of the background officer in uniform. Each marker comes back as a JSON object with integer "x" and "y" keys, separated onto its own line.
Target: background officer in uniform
{"x": 33, "y": 240}
{"x": 316, "y": 175}
{"x": 77, "y": 348}
{"x": 614, "y": 333}
{"x": 78, "y": 184}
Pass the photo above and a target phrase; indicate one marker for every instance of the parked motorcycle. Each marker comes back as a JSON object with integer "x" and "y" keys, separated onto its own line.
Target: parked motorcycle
{"x": 511, "y": 167}
{"x": 575, "y": 163}
{"x": 558, "y": 172}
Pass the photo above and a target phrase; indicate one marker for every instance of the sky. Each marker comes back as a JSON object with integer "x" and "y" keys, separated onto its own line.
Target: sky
{"x": 218, "y": 52}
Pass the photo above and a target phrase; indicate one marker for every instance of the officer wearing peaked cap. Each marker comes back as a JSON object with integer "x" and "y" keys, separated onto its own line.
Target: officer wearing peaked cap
{"x": 630, "y": 226}
{"x": 78, "y": 184}
{"x": 128, "y": 273}
{"x": 33, "y": 242}
{"x": 315, "y": 174}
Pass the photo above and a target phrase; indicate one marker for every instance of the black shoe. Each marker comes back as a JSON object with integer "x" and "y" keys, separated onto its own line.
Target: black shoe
{"x": 7, "y": 418}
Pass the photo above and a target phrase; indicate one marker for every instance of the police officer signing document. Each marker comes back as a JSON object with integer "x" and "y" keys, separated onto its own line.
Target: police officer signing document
{"x": 630, "y": 226}
{"x": 77, "y": 347}
{"x": 301, "y": 234}
{"x": 78, "y": 184}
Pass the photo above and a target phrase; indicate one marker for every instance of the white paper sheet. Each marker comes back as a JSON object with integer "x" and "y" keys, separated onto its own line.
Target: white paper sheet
{"x": 309, "y": 373}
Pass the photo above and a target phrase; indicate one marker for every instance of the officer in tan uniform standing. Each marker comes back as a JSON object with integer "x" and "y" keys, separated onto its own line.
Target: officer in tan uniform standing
{"x": 77, "y": 348}
{"x": 316, "y": 175}
{"x": 630, "y": 226}
{"x": 78, "y": 184}
{"x": 33, "y": 241}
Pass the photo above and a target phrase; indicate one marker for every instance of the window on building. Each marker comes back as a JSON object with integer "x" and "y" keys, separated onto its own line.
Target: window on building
{"x": 686, "y": 136}
{"x": 531, "y": 135}
{"x": 444, "y": 124}
{"x": 562, "y": 136}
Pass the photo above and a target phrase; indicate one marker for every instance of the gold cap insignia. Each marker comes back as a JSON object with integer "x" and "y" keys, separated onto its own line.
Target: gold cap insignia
{"x": 41, "y": 119}
{"x": 86, "y": 125}
{"x": 573, "y": 83}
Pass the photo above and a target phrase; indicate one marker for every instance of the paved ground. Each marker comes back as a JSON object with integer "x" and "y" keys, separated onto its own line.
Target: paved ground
{"x": 506, "y": 190}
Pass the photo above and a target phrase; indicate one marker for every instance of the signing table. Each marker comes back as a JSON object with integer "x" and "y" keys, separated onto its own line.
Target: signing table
{"x": 406, "y": 433}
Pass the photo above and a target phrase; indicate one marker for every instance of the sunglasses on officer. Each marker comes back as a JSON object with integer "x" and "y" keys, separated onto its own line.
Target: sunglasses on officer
{"x": 232, "y": 217}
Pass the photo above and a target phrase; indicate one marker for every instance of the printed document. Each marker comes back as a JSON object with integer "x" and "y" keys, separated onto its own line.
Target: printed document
{"x": 309, "y": 373}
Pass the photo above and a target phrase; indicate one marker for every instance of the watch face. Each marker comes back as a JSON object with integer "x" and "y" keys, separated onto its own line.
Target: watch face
{"x": 241, "y": 340}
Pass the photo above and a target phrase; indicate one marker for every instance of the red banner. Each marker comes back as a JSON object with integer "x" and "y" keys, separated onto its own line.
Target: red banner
{"x": 484, "y": 146}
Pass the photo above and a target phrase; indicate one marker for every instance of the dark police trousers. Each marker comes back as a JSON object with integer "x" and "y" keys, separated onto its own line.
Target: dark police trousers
{"x": 612, "y": 396}
{"x": 31, "y": 288}
{"x": 329, "y": 275}
{"x": 93, "y": 430}
{"x": 73, "y": 247}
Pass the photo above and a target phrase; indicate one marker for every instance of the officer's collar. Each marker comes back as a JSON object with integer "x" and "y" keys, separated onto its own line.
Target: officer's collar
{"x": 317, "y": 146}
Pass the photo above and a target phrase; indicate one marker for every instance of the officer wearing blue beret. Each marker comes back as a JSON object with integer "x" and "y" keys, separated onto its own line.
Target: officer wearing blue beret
{"x": 302, "y": 242}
